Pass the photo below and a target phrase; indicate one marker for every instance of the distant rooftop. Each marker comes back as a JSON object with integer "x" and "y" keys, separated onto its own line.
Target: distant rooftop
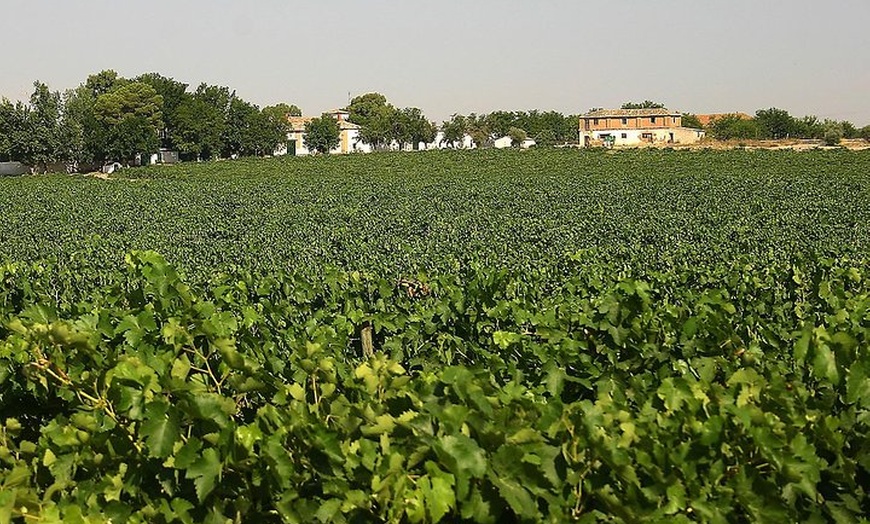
{"x": 297, "y": 123}
{"x": 621, "y": 113}
{"x": 706, "y": 119}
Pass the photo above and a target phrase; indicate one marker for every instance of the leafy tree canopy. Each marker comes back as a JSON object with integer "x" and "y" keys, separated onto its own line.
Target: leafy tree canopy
{"x": 646, "y": 104}
{"x": 690, "y": 120}
{"x": 322, "y": 134}
{"x": 364, "y": 108}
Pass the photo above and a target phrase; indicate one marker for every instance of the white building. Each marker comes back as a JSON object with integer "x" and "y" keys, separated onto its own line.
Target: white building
{"x": 506, "y": 142}
{"x": 440, "y": 143}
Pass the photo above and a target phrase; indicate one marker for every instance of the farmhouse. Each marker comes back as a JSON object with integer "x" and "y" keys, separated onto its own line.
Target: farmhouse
{"x": 349, "y": 135}
{"x": 632, "y": 127}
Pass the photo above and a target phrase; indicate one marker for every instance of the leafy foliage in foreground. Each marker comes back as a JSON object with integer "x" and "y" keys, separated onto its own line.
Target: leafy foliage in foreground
{"x": 402, "y": 338}
{"x": 731, "y": 394}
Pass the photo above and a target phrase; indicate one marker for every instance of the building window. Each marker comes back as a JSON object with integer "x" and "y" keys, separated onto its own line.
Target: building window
{"x": 625, "y": 135}
{"x": 624, "y": 122}
{"x": 652, "y": 119}
{"x": 595, "y": 122}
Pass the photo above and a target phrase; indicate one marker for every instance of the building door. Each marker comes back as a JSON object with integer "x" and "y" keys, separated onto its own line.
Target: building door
{"x": 672, "y": 138}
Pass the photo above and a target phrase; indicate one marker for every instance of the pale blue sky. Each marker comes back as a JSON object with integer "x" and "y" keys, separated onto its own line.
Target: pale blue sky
{"x": 446, "y": 56}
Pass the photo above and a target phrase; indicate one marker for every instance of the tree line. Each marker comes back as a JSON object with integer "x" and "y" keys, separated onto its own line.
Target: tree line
{"x": 383, "y": 124}
{"x": 109, "y": 117}
{"x": 112, "y": 118}
{"x": 775, "y": 123}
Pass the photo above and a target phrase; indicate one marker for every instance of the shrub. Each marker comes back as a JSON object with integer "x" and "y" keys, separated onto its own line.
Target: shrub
{"x": 833, "y": 134}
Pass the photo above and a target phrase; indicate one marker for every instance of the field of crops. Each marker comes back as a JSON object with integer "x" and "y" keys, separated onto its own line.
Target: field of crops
{"x": 486, "y": 336}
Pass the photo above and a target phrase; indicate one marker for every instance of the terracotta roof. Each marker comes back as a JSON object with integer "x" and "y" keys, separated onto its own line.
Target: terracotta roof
{"x": 706, "y": 119}
{"x": 620, "y": 113}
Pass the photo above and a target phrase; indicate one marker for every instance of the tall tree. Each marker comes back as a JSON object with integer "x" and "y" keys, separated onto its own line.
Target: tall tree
{"x": 415, "y": 128}
{"x": 238, "y": 135}
{"x": 14, "y": 132}
{"x": 133, "y": 115}
{"x": 478, "y": 129}
{"x": 364, "y": 108}
{"x": 729, "y": 127}
{"x": 174, "y": 93}
{"x": 322, "y": 134}
{"x": 45, "y": 143}
{"x": 775, "y": 123}
{"x": 499, "y": 123}
{"x": 380, "y": 128}
{"x": 283, "y": 110}
{"x": 103, "y": 82}
{"x": 453, "y": 130}
{"x": 250, "y": 131}
{"x": 201, "y": 120}
{"x": 278, "y": 117}
{"x": 517, "y": 136}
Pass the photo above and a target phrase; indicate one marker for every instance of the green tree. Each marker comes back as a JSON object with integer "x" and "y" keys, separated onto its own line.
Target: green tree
{"x": 730, "y": 127}
{"x": 849, "y": 129}
{"x": 103, "y": 82}
{"x": 478, "y": 129}
{"x": 364, "y": 108}
{"x": 283, "y": 110}
{"x": 808, "y": 127}
{"x": 322, "y": 134}
{"x": 775, "y": 123}
{"x": 378, "y": 120}
{"x": 380, "y": 128}
{"x": 88, "y": 137}
{"x": 517, "y": 136}
{"x": 690, "y": 120}
{"x": 130, "y": 112}
{"x": 546, "y": 138}
{"x": 453, "y": 130}
{"x": 201, "y": 120}
{"x": 864, "y": 133}
{"x": 833, "y": 133}
{"x": 174, "y": 93}
{"x": 13, "y": 130}
{"x": 131, "y": 136}
{"x": 45, "y": 140}
{"x": 239, "y": 135}
{"x": 499, "y": 123}
{"x": 278, "y": 117}
{"x": 415, "y": 128}
{"x": 646, "y": 104}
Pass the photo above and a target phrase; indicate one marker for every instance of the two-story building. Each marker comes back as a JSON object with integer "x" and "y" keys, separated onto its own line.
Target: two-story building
{"x": 633, "y": 127}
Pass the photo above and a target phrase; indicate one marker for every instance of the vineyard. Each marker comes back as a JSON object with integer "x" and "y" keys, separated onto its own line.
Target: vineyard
{"x": 484, "y": 336}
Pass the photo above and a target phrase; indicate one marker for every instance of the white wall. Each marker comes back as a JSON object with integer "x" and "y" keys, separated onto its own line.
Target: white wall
{"x": 634, "y": 137}
{"x": 466, "y": 143}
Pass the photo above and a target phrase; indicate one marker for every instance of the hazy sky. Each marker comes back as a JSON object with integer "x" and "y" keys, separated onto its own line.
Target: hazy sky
{"x": 448, "y": 56}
